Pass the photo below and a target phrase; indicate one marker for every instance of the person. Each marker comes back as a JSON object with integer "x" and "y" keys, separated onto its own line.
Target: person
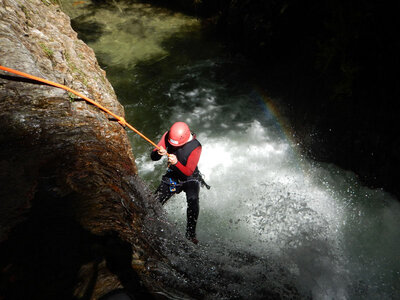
{"x": 183, "y": 151}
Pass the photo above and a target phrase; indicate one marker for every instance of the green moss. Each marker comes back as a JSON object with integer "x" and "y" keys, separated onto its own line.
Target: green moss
{"x": 72, "y": 97}
{"x": 73, "y": 67}
{"x": 84, "y": 79}
{"x": 66, "y": 56}
{"x": 49, "y": 2}
{"x": 26, "y": 12}
{"x": 46, "y": 2}
{"x": 101, "y": 78}
{"x": 76, "y": 72}
{"x": 46, "y": 50}
{"x": 70, "y": 64}
{"x": 81, "y": 56}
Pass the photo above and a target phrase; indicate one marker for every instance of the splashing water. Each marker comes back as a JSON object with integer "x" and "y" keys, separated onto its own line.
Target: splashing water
{"x": 336, "y": 238}
{"x": 269, "y": 201}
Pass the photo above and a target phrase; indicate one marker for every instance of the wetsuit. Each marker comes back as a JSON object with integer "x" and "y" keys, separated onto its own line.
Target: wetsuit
{"x": 183, "y": 176}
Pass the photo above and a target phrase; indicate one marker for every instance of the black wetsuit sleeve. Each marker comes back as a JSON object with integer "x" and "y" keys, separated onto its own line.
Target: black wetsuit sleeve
{"x": 154, "y": 155}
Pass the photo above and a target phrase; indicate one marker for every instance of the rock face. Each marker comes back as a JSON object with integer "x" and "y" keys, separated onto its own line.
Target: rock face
{"x": 71, "y": 205}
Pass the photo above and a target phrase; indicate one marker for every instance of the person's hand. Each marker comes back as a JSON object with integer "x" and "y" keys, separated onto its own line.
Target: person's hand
{"x": 162, "y": 151}
{"x": 172, "y": 159}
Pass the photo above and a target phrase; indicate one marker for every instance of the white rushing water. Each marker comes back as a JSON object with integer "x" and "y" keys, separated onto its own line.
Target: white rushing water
{"x": 340, "y": 240}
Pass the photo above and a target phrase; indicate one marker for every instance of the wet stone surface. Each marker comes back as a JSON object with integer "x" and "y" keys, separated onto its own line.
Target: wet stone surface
{"x": 72, "y": 207}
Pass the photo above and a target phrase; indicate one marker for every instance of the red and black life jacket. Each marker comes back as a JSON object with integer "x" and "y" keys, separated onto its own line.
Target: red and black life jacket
{"x": 182, "y": 154}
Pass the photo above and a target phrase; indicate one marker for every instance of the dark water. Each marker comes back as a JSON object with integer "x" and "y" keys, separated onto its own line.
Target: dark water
{"x": 274, "y": 223}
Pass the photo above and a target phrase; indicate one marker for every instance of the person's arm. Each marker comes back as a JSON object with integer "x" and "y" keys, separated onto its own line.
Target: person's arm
{"x": 191, "y": 163}
{"x": 154, "y": 154}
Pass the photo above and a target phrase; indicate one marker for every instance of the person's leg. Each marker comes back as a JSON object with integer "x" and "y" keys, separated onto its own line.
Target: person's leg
{"x": 192, "y": 189}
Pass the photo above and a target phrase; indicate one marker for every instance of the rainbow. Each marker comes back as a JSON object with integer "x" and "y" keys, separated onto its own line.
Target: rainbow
{"x": 272, "y": 110}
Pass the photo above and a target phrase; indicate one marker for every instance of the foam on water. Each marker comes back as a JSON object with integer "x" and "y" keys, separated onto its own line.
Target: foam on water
{"x": 268, "y": 200}
{"x": 262, "y": 202}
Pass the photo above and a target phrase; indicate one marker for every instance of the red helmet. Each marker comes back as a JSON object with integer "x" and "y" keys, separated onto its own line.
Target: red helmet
{"x": 179, "y": 134}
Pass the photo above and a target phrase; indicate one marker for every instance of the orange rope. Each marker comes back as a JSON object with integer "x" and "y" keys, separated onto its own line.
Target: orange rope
{"x": 121, "y": 120}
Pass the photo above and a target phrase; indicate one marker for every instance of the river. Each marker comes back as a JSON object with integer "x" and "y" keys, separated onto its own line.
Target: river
{"x": 274, "y": 223}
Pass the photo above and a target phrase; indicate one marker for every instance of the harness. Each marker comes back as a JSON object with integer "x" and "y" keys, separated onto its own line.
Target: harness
{"x": 174, "y": 184}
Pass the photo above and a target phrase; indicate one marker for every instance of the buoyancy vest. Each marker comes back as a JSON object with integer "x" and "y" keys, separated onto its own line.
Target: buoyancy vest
{"x": 182, "y": 154}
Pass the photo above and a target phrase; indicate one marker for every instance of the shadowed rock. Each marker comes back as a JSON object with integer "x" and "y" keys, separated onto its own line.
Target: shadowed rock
{"x": 72, "y": 208}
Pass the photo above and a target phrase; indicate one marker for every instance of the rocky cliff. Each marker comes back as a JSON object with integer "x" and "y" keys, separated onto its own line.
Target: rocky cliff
{"x": 72, "y": 208}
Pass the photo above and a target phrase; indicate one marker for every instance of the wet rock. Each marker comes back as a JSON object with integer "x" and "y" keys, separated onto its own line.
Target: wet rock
{"x": 72, "y": 207}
